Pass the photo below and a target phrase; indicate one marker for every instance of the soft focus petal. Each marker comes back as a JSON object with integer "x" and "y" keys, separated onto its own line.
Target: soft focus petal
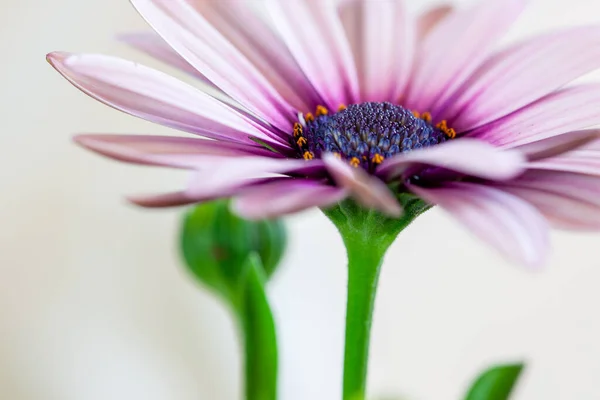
{"x": 567, "y": 200}
{"x": 285, "y": 197}
{"x": 512, "y": 226}
{"x": 165, "y": 150}
{"x": 220, "y": 173}
{"x": 381, "y": 35}
{"x": 579, "y": 161}
{"x": 315, "y": 36}
{"x": 523, "y": 74}
{"x": 153, "y": 45}
{"x": 455, "y": 48}
{"x": 162, "y": 200}
{"x": 430, "y": 19}
{"x": 152, "y": 95}
{"x": 470, "y": 157}
{"x": 564, "y": 111}
{"x": 367, "y": 189}
{"x": 558, "y": 145}
{"x": 216, "y": 58}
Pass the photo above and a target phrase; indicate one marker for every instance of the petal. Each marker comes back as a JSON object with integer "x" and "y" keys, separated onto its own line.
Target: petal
{"x": 580, "y": 161}
{"x": 285, "y": 197}
{"x": 162, "y": 200}
{"x": 152, "y": 95}
{"x": 523, "y": 74}
{"x": 314, "y": 35}
{"x": 558, "y": 145}
{"x": 381, "y": 35}
{"x": 241, "y": 25}
{"x": 367, "y": 189}
{"x": 153, "y": 45}
{"x": 430, "y": 19}
{"x": 467, "y": 156}
{"x": 215, "y": 57}
{"x": 165, "y": 150}
{"x": 566, "y": 110}
{"x": 512, "y": 226}
{"x": 455, "y": 48}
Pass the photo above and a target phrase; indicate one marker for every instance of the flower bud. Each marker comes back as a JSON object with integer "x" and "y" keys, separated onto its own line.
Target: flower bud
{"x": 216, "y": 244}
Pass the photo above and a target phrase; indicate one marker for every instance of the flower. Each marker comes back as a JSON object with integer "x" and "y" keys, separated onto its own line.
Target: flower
{"x": 357, "y": 98}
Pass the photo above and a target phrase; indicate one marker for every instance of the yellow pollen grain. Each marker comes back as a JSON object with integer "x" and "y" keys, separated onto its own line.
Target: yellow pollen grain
{"x": 442, "y": 125}
{"x": 308, "y": 155}
{"x": 416, "y": 114}
{"x": 355, "y": 162}
{"x": 342, "y": 107}
{"x": 309, "y": 117}
{"x": 301, "y": 142}
{"x": 451, "y": 133}
{"x": 322, "y": 111}
{"x": 426, "y": 117}
{"x": 377, "y": 159}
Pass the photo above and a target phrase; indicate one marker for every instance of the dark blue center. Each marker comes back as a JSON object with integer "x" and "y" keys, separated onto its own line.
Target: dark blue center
{"x": 367, "y": 133}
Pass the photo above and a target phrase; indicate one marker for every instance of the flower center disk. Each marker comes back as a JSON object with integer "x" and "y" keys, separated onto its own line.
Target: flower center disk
{"x": 366, "y": 134}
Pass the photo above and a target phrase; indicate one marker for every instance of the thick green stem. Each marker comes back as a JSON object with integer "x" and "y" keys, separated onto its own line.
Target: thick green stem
{"x": 364, "y": 266}
{"x": 367, "y": 235}
{"x": 260, "y": 340}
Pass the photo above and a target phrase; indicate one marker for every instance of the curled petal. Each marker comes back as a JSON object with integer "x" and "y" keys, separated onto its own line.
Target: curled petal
{"x": 368, "y": 190}
{"x": 557, "y": 145}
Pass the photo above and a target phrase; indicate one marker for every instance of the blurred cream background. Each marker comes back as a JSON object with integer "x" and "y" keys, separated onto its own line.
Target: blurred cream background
{"x": 94, "y": 303}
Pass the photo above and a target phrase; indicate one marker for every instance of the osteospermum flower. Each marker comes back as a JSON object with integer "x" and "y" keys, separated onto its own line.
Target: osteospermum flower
{"x": 331, "y": 99}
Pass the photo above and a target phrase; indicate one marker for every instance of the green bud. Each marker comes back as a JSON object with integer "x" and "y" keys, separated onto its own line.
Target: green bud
{"x": 216, "y": 244}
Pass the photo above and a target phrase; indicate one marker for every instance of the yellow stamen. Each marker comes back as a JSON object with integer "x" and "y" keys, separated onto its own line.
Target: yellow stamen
{"x": 297, "y": 130}
{"x": 442, "y": 125}
{"x": 451, "y": 133}
{"x": 342, "y": 107}
{"x": 426, "y": 117}
{"x": 377, "y": 159}
{"x": 308, "y": 155}
{"x": 416, "y": 114}
{"x": 355, "y": 162}
{"x": 301, "y": 142}
{"x": 309, "y": 117}
{"x": 321, "y": 111}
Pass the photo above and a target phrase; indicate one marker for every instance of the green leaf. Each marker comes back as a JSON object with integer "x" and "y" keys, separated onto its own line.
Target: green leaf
{"x": 259, "y": 333}
{"x": 496, "y": 383}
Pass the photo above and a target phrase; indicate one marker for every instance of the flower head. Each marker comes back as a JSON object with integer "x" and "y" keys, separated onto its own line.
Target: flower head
{"x": 357, "y": 98}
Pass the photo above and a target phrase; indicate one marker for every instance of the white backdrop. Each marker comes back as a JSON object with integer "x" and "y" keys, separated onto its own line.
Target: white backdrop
{"x": 94, "y": 304}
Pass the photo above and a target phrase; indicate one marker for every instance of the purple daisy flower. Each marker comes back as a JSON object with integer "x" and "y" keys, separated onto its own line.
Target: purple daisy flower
{"x": 356, "y": 98}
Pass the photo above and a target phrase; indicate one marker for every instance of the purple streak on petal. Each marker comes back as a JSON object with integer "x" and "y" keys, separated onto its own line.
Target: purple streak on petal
{"x": 523, "y": 74}
{"x": 247, "y": 31}
{"x": 165, "y": 150}
{"x": 368, "y": 190}
{"x": 584, "y": 161}
{"x": 152, "y": 44}
{"x": 381, "y": 35}
{"x": 430, "y": 19}
{"x": 512, "y": 226}
{"x": 215, "y": 57}
{"x": 285, "y": 197}
{"x": 313, "y": 33}
{"x": 558, "y": 145}
{"x": 455, "y": 48}
{"x": 567, "y": 110}
{"x": 467, "y": 156}
{"x": 157, "y": 97}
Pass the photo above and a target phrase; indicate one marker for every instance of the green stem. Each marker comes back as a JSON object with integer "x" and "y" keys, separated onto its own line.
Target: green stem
{"x": 364, "y": 266}
{"x": 367, "y": 236}
{"x": 260, "y": 339}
